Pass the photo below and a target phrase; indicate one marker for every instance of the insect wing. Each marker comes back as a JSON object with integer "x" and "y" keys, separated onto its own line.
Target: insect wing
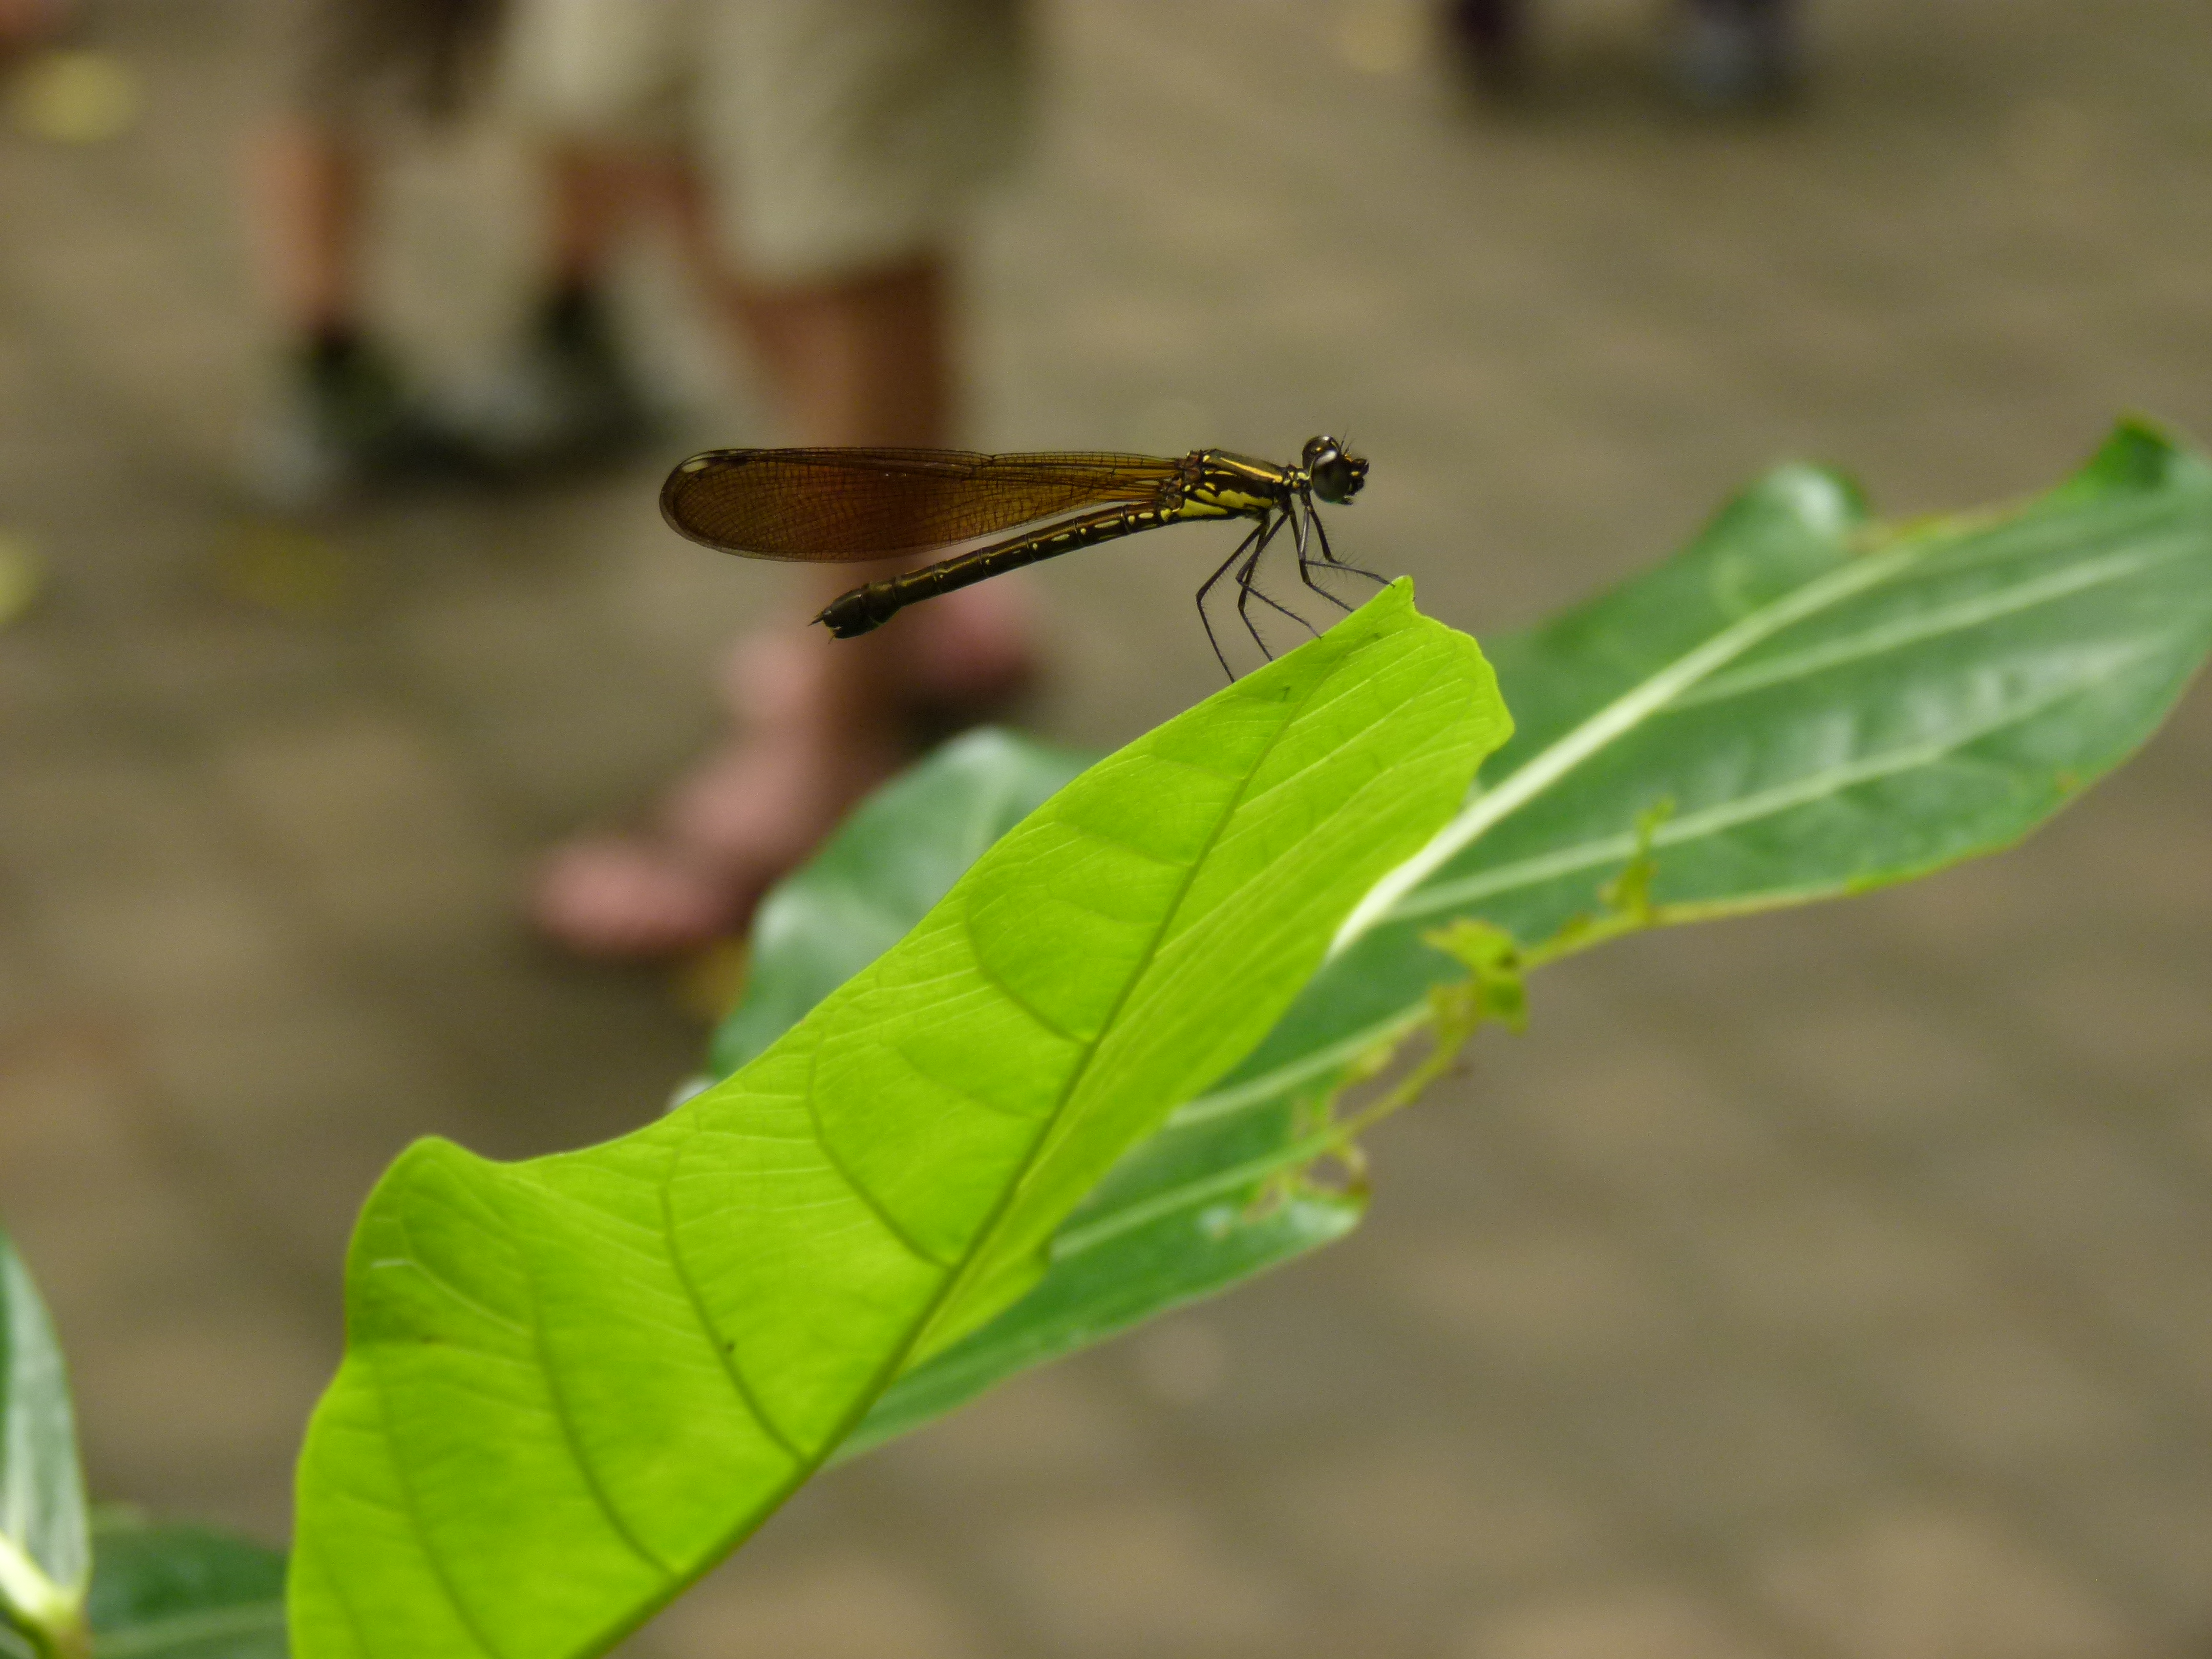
{"x": 835, "y": 505}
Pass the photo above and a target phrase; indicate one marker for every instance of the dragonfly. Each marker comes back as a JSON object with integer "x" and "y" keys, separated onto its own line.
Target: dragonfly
{"x": 847, "y": 506}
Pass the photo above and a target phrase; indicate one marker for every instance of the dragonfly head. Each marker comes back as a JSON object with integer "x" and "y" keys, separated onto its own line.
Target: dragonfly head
{"x": 1336, "y": 475}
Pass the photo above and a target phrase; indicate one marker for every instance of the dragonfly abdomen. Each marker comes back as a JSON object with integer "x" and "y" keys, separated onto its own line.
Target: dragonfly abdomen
{"x": 869, "y": 607}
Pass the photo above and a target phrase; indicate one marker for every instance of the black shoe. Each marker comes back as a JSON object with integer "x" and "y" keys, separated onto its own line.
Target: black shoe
{"x": 344, "y": 424}
{"x": 1487, "y": 39}
{"x": 569, "y": 397}
{"x": 1736, "y": 54}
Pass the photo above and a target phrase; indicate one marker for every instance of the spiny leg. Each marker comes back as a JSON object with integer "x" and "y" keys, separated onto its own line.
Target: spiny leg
{"x": 1329, "y": 553}
{"x": 1248, "y": 590}
{"x": 1206, "y": 586}
{"x": 1248, "y": 580}
{"x": 1305, "y": 563}
{"x": 1246, "y": 593}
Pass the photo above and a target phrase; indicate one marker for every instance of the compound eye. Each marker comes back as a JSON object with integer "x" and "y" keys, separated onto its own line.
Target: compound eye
{"x": 1333, "y": 479}
{"x": 1319, "y": 452}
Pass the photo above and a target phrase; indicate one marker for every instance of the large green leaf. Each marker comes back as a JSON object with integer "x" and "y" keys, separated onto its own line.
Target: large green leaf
{"x": 45, "y": 1555}
{"x": 571, "y": 1384}
{"x": 1826, "y": 706}
{"x": 900, "y": 853}
{"x": 167, "y": 1591}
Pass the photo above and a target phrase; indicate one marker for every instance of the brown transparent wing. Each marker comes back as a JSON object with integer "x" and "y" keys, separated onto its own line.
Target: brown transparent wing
{"x": 843, "y": 504}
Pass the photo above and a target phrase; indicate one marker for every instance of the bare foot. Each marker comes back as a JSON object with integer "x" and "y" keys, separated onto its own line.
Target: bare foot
{"x": 809, "y": 738}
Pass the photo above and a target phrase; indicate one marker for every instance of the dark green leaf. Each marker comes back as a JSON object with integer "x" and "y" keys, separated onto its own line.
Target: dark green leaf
{"x": 1798, "y": 706}
{"x": 183, "y": 1592}
{"x": 1825, "y": 707}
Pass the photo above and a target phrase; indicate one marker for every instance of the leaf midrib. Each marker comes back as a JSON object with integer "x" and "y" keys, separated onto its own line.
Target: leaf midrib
{"x": 1900, "y": 632}
{"x": 1251, "y": 800}
{"x": 1728, "y": 815}
{"x": 1046, "y": 1140}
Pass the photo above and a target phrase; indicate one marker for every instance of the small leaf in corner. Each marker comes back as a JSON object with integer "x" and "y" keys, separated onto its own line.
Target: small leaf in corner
{"x": 45, "y": 1553}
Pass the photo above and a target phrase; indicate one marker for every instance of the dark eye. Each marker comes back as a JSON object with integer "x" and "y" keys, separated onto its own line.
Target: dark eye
{"x": 1333, "y": 479}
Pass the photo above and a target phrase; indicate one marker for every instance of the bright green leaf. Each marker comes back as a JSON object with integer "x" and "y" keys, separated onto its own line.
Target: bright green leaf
{"x": 900, "y": 853}
{"x": 45, "y": 1553}
{"x": 571, "y": 1385}
{"x": 166, "y": 1591}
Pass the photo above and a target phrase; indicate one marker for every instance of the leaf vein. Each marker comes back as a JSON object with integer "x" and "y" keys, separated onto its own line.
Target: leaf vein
{"x": 1928, "y": 625}
{"x": 1543, "y": 770}
{"x": 1729, "y": 815}
{"x": 1049, "y": 1141}
{"x": 432, "y": 1559}
{"x": 999, "y": 983}
{"x": 572, "y": 1437}
{"x": 844, "y": 1173}
{"x": 725, "y": 1356}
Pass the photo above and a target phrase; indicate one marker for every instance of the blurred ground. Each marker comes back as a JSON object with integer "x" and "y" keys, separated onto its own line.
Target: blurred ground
{"x": 1837, "y": 1286}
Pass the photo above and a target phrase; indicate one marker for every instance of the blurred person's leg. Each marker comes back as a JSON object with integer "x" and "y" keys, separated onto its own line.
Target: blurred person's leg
{"x": 840, "y": 140}
{"x": 867, "y": 362}
{"x": 341, "y": 418}
{"x": 312, "y": 178}
{"x": 568, "y": 396}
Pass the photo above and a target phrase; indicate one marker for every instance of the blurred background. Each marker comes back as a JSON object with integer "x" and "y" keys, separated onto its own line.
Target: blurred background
{"x": 1835, "y": 1285}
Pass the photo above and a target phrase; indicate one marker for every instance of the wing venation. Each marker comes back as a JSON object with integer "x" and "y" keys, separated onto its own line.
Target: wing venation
{"x": 846, "y": 504}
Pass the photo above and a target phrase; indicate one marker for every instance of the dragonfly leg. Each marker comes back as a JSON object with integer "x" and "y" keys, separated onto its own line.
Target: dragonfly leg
{"x": 1329, "y": 553}
{"x": 1246, "y": 593}
{"x": 1206, "y": 586}
{"x": 1247, "y": 581}
{"x": 1305, "y": 562}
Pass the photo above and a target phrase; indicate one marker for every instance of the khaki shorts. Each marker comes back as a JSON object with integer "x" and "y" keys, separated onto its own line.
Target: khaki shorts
{"x": 836, "y": 136}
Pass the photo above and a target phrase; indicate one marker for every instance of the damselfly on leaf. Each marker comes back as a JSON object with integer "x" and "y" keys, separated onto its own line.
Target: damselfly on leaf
{"x": 846, "y": 506}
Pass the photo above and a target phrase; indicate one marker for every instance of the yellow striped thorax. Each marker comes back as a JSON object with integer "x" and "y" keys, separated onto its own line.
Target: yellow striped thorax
{"x": 1238, "y": 484}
